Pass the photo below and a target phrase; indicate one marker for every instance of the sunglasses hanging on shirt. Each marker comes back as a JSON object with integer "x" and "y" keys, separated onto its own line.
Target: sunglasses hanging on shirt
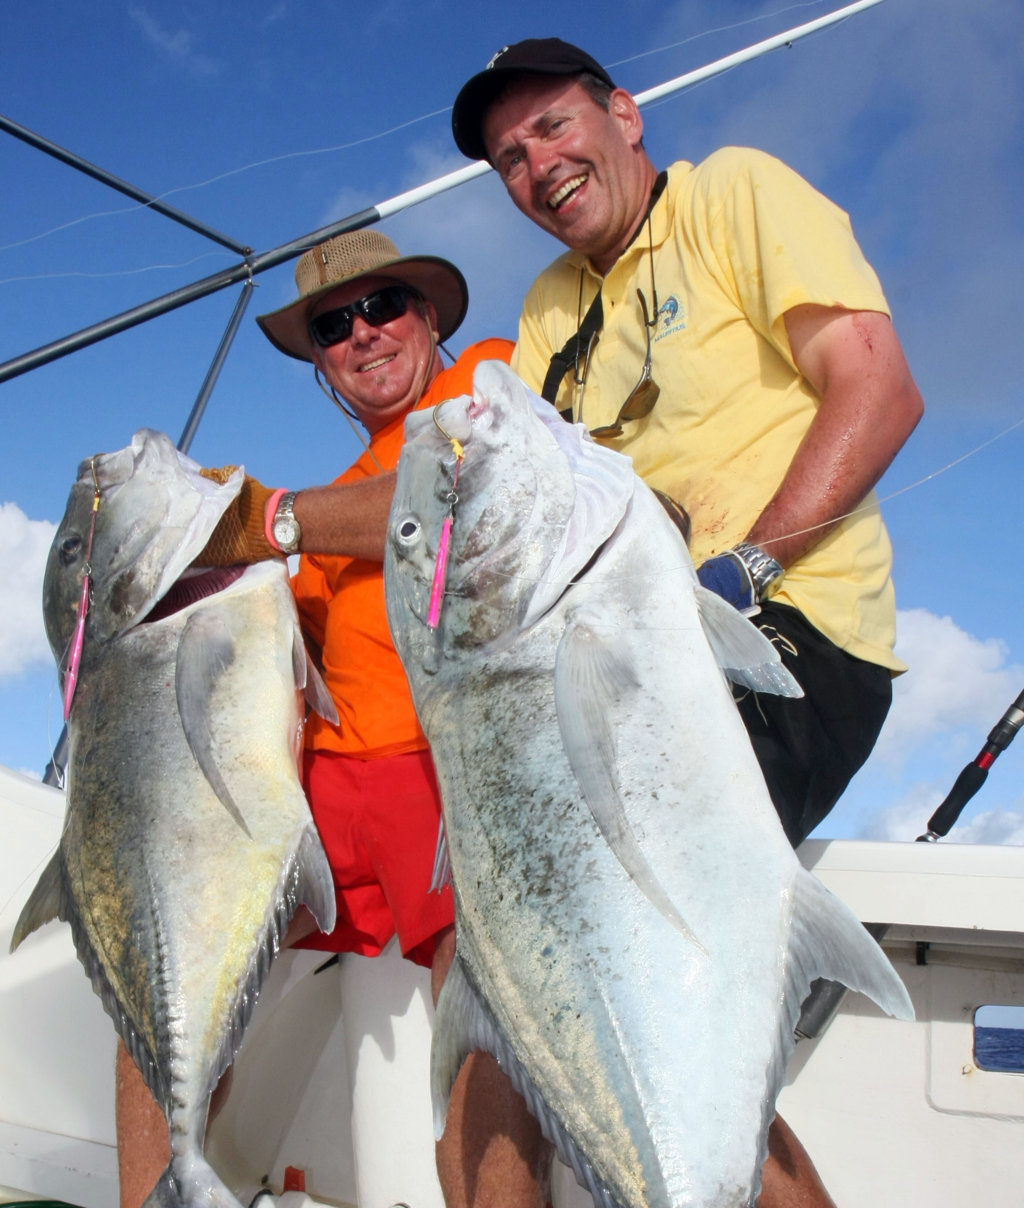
{"x": 575, "y": 355}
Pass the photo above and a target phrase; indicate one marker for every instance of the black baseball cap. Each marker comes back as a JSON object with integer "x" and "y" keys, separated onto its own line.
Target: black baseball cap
{"x": 534, "y": 56}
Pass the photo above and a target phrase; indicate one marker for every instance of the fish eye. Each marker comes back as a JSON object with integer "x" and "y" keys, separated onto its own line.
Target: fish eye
{"x": 408, "y": 530}
{"x": 69, "y": 549}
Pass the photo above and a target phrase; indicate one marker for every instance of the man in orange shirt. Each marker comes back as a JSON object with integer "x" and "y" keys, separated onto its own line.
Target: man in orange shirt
{"x": 371, "y": 322}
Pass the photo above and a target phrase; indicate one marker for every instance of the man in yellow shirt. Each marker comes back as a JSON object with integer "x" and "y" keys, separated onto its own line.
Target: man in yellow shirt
{"x": 781, "y": 390}
{"x": 719, "y": 324}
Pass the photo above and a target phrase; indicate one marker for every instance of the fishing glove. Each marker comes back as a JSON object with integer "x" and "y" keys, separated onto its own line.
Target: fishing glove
{"x": 743, "y": 577}
{"x": 240, "y": 536}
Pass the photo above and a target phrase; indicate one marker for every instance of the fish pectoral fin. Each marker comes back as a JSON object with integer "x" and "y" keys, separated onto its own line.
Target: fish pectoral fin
{"x": 594, "y": 682}
{"x": 311, "y": 682}
{"x": 205, "y": 649}
{"x": 44, "y": 902}
{"x": 828, "y": 940}
{"x": 743, "y": 652}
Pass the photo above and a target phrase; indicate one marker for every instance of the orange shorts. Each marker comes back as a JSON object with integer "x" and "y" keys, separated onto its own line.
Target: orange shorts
{"x": 378, "y": 821}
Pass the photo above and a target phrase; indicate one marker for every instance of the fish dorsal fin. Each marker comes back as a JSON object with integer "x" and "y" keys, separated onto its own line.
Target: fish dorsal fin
{"x": 45, "y": 902}
{"x": 310, "y": 682}
{"x": 463, "y": 1024}
{"x": 595, "y": 681}
{"x": 741, "y": 649}
{"x": 205, "y": 649}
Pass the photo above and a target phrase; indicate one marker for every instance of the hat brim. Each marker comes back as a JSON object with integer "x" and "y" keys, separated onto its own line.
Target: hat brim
{"x": 438, "y": 281}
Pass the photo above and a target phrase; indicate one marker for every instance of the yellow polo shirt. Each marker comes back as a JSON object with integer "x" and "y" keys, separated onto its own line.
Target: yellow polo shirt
{"x": 737, "y": 241}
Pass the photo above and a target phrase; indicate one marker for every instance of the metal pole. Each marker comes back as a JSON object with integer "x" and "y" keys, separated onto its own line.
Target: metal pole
{"x": 192, "y": 423}
{"x": 179, "y": 297}
{"x": 115, "y": 182}
{"x": 752, "y": 52}
{"x": 54, "y": 773}
{"x": 385, "y": 209}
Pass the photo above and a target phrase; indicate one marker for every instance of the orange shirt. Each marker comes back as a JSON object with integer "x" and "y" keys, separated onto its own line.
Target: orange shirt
{"x": 341, "y": 607}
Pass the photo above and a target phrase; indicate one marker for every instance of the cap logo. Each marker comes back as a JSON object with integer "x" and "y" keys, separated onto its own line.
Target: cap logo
{"x": 495, "y": 57}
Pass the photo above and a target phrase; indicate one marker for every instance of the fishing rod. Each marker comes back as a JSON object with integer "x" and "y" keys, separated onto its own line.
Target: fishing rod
{"x": 974, "y": 775}
{"x": 255, "y": 263}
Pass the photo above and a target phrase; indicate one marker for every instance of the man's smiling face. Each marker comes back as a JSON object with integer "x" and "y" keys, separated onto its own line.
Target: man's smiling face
{"x": 380, "y": 371}
{"x": 572, "y": 167}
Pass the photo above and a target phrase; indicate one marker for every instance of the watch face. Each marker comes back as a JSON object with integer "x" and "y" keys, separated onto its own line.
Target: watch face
{"x": 285, "y": 532}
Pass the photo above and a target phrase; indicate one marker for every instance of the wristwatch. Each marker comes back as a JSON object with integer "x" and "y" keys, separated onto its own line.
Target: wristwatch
{"x": 765, "y": 572}
{"x": 286, "y": 529}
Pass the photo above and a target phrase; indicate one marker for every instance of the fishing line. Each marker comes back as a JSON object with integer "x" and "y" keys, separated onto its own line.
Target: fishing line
{"x": 273, "y": 159}
{"x": 369, "y": 138}
{"x": 857, "y": 511}
{"x": 125, "y": 272}
{"x": 720, "y": 29}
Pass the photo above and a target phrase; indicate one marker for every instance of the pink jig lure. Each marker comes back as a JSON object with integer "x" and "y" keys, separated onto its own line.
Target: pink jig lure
{"x": 441, "y": 565}
{"x": 78, "y": 636}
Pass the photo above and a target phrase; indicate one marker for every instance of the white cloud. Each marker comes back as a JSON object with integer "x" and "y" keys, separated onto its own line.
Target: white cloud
{"x": 994, "y": 826}
{"x": 23, "y": 547}
{"x": 175, "y": 46}
{"x": 955, "y": 681}
{"x": 957, "y": 689}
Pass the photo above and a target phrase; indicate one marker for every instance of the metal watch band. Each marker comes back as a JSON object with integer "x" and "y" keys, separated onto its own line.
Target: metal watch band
{"x": 766, "y": 572}
{"x": 287, "y": 531}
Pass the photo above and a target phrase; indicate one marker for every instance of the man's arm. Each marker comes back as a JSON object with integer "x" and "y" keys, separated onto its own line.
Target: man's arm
{"x": 869, "y": 406}
{"x": 350, "y": 519}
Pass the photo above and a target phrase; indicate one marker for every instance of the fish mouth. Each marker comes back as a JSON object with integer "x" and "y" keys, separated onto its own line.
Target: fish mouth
{"x": 193, "y": 586}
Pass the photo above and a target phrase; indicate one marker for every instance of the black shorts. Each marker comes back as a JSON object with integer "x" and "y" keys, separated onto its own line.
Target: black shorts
{"x": 810, "y": 747}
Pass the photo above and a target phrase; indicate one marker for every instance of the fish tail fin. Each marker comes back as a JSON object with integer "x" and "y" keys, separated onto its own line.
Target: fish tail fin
{"x": 190, "y": 1179}
{"x": 44, "y": 902}
{"x": 164, "y": 1194}
{"x": 828, "y": 940}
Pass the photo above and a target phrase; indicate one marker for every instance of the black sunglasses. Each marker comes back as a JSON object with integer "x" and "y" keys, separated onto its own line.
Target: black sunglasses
{"x": 377, "y": 308}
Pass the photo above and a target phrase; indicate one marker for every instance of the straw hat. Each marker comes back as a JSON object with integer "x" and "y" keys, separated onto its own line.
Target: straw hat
{"x": 358, "y": 254}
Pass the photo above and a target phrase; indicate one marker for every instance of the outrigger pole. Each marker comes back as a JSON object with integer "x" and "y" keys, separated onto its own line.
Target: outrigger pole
{"x": 254, "y": 263}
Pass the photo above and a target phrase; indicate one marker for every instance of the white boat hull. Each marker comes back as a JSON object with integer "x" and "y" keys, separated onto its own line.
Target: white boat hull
{"x": 332, "y": 1077}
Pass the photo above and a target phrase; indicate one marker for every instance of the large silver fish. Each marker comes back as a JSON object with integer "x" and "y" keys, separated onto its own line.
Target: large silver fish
{"x": 188, "y": 842}
{"x": 635, "y": 935}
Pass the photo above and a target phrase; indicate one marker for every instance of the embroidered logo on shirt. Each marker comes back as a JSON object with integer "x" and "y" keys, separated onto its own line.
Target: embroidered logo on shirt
{"x": 671, "y": 317}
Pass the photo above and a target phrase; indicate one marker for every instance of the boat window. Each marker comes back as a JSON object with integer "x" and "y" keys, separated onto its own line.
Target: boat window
{"x": 999, "y": 1038}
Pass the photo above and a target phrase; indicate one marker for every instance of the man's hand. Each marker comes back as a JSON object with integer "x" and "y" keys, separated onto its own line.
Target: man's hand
{"x": 240, "y": 536}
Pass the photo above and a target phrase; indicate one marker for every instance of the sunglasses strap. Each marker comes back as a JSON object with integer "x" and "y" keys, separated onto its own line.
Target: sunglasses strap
{"x": 564, "y": 360}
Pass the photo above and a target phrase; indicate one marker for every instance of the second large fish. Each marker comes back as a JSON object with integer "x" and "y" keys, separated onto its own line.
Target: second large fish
{"x": 187, "y": 843}
{"x": 635, "y": 935}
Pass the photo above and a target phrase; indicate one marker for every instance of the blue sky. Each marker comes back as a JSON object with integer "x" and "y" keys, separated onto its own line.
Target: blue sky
{"x": 268, "y": 120}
